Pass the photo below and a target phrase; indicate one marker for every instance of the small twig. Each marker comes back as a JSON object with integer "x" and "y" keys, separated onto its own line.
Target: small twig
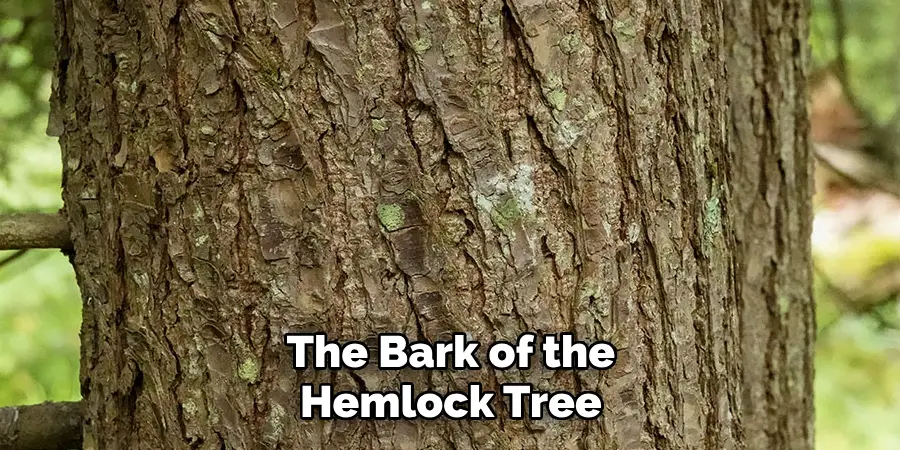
{"x": 840, "y": 66}
{"x": 843, "y": 299}
{"x": 34, "y": 230}
{"x": 848, "y": 303}
{"x": 47, "y": 426}
{"x": 13, "y": 257}
{"x": 840, "y": 37}
{"x": 873, "y": 177}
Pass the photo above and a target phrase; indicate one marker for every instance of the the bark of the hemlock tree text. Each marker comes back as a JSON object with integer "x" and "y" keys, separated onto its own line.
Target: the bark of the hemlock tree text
{"x": 631, "y": 171}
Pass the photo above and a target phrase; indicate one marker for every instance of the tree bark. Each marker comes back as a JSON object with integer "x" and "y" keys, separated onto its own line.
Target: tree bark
{"x": 772, "y": 184}
{"x": 636, "y": 172}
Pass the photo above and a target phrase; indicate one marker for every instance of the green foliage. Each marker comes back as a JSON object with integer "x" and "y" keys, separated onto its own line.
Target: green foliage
{"x": 26, "y": 57}
{"x": 871, "y": 49}
{"x": 40, "y": 313}
{"x": 857, "y": 388}
{"x": 40, "y": 308}
{"x": 858, "y": 356}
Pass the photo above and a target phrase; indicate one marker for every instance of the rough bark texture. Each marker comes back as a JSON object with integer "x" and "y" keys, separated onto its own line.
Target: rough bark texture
{"x": 631, "y": 171}
{"x": 46, "y": 426}
{"x": 771, "y": 186}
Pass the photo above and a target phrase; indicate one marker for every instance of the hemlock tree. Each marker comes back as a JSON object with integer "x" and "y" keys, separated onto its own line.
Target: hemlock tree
{"x": 636, "y": 172}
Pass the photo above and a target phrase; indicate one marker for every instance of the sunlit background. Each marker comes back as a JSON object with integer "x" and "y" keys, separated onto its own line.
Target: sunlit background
{"x": 856, "y": 239}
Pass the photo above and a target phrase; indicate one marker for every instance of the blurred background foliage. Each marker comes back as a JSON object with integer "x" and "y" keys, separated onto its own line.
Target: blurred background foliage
{"x": 26, "y": 57}
{"x": 856, "y": 239}
{"x": 40, "y": 308}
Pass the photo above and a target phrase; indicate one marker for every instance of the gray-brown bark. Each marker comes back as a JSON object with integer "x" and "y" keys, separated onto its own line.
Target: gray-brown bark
{"x": 46, "y": 426}
{"x": 771, "y": 187}
{"x": 235, "y": 171}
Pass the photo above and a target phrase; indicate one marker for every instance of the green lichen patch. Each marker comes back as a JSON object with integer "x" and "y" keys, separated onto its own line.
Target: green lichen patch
{"x": 557, "y": 99}
{"x": 570, "y": 43}
{"x": 390, "y": 215}
{"x": 625, "y": 28}
{"x": 784, "y": 304}
{"x": 379, "y": 125}
{"x": 713, "y": 214}
{"x": 248, "y": 370}
{"x": 422, "y": 44}
{"x": 712, "y": 222}
{"x": 712, "y": 169}
{"x": 506, "y": 213}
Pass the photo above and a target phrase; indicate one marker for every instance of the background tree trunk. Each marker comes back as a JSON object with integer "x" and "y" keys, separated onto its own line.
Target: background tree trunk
{"x": 633, "y": 172}
{"x": 771, "y": 189}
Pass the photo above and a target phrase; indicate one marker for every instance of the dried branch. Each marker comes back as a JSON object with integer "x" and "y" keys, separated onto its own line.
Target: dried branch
{"x": 34, "y": 230}
{"x": 47, "y": 426}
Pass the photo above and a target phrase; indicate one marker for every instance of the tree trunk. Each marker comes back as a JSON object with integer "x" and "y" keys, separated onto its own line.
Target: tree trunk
{"x": 634, "y": 172}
